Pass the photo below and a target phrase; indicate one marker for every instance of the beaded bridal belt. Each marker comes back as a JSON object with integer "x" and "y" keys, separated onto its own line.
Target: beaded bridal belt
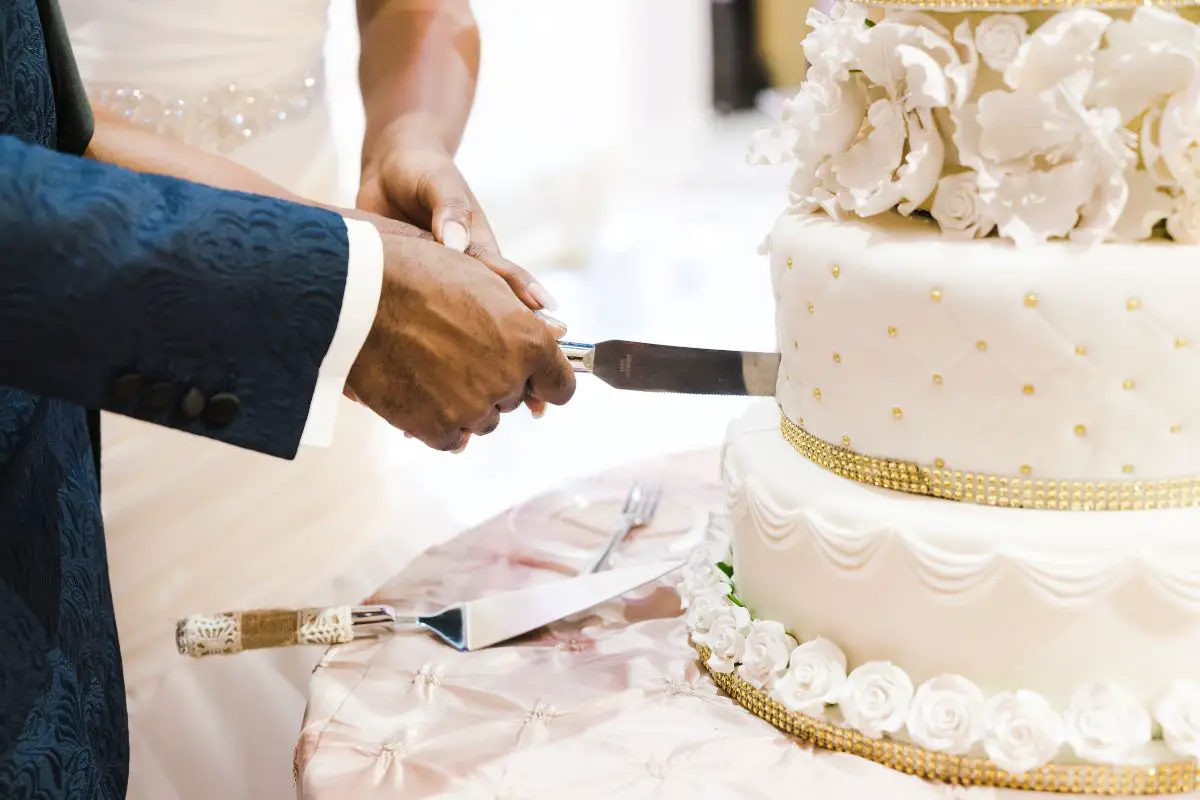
{"x": 944, "y": 481}
{"x": 219, "y": 119}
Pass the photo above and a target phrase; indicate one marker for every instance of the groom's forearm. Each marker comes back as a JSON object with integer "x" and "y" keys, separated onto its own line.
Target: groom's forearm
{"x": 419, "y": 65}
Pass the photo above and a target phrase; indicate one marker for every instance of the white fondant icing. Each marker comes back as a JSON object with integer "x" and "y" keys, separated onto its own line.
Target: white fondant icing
{"x": 946, "y": 715}
{"x": 1021, "y": 731}
{"x": 1014, "y": 599}
{"x": 1074, "y": 363}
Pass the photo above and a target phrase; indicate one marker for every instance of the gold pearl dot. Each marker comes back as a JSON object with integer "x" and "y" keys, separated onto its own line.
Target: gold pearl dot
{"x": 940, "y": 463}
{"x": 1127, "y": 469}
{"x": 795, "y": 344}
{"x": 1133, "y": 304}
{"x": 1181, "y": 341}
{"x": 811, "y": 308}
{"x": 1031, "y": 300}
{"x": 1081, "y": 430}
{"x": 892, "y": 330}
{"x": 1127, "y": 385}
{"x": 937, "y": 379}
{"x": 936, "y": 295}
{"x": 1026, "y": 469}
{"x": 1176, "y": 428}
{"x": 845, "y": 441}
{"x": 1028, "y": 388}
{"x": 981, "y": 345}
{"x": 837, "y": 271}
{"x": 800, "y": 421}
{"x": 789, "y": 262}
{"x": 837, "y": 358}
{"x": 898, "y": 413}
{"x": 817, "y": 394}
{"x": 1080, "y": 350}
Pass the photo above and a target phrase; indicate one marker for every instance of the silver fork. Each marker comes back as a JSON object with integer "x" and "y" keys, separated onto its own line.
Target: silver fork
{"x": 640, "y": 505}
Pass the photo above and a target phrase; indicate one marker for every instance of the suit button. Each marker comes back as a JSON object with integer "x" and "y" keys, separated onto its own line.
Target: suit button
{"x": 157, "y": 398}
{"x": 126, "y": 389}
{"x": 221, "y": 409}
{"x": 192, "y": 404}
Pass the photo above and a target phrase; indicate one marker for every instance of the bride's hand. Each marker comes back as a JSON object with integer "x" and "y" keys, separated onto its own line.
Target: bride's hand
{"x": 409, "y": 175}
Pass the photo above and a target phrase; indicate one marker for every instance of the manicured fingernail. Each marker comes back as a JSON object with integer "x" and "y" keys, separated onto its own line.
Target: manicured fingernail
{"x": 543, "y": 297}
{"x": 454, "y": 236}
{"x": 408, "y": 435}
{"x": 537, "y": 413}
{"x": 552, "y": 321}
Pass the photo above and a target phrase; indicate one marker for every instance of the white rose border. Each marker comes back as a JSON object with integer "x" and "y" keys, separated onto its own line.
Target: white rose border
{"x": 944, "y": 729}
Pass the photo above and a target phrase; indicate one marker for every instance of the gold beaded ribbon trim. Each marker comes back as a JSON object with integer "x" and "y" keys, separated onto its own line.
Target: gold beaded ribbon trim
{"x": 1019, "y": 6}
{"x": 992, "y": 490}
{"x": 1178, "y": 777}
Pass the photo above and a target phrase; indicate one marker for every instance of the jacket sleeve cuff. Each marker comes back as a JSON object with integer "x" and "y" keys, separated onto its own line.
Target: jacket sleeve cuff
{"x": 360, "y": 302}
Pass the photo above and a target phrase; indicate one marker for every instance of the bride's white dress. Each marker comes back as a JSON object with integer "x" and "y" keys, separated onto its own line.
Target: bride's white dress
{"x": 194, "y": 525}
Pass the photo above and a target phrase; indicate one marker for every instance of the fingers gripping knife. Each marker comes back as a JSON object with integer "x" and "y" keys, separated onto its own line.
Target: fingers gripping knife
{"x": 684, "y": 370}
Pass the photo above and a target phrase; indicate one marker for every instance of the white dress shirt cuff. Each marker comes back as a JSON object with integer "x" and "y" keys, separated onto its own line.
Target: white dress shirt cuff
{"x": 360, "y": 302}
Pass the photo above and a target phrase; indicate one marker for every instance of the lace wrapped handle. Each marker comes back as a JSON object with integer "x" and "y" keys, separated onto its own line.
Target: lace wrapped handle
{"x": 232, "y": 632}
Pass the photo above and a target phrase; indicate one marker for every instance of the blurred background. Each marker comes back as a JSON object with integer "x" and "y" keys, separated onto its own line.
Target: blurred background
{"x": 607, "y": 147}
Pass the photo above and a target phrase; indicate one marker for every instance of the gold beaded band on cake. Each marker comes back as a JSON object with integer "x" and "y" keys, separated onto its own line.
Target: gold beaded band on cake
{"x": 1019, "y": 6}
{"x": 1169, "y": 778}
{"x": 992, "y": 490}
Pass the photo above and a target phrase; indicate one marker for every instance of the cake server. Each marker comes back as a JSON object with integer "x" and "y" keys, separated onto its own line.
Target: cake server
{"x": 684, "y": 370}
{"x": 472, "y": 625}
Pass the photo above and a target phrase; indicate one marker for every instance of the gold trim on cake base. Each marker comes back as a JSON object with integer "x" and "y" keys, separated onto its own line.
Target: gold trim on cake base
{"x": 1169, "y": 778}
{"x": 945, "y": 482}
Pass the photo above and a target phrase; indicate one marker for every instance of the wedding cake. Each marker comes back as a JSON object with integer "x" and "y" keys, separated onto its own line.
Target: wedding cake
{"x": 965, "y": 537}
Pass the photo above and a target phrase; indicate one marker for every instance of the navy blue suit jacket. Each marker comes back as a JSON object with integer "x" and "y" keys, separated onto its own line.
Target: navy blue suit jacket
{"x": 201, "y": 310}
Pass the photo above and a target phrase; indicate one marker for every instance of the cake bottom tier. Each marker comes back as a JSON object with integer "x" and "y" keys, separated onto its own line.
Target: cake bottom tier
{"x": 1062, "y": 604}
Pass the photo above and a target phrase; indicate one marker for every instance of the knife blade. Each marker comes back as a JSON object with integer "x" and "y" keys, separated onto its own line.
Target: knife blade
{"x": 473, "y": 625}
{"x": 644, "y": 367}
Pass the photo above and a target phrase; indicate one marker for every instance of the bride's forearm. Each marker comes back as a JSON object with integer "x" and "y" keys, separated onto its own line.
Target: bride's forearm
{"x": 419, "y": 65}
{"x": 117, "y": 141}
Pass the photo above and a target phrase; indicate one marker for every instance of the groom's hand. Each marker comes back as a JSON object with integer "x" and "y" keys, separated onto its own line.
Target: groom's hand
{"x": 452, "y": 347}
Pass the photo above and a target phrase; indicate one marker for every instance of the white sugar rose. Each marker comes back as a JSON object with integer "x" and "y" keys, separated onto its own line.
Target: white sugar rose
{"x": 875, "y": 698}
{"x": 958, "y": 209}
{"x": 999, "y": 37}
{"x": 704, "y": 609}
{"x": 1178, "y": 713}
{"x": 946, "y": 714}
{"x": 1183, "y": 223}
{"x": 814, "y": 679}
{"x": 1022, "y": 731}
{"x": 700, "y": 574}
{"x": 1106, "y": 724}
{"x": 726, "y": 638}
{"x": 765, "y": 654}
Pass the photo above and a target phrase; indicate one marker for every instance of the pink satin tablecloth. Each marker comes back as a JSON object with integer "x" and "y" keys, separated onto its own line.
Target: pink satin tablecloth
{"x": 609, "y": 704}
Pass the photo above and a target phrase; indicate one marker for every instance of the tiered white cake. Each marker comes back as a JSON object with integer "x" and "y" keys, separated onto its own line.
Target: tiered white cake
{"x": 971, "y": 522}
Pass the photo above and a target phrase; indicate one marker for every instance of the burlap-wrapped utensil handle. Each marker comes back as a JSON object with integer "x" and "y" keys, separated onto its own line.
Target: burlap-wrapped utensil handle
{"x": 232, "y": 632}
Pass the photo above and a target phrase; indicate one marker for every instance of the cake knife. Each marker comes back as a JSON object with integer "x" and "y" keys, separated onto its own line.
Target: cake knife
{"x": 472, "y": 625}
{"x": 666, "y": 368}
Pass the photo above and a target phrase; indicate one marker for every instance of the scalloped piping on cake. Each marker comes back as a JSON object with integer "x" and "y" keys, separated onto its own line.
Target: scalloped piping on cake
{"x": 1018, "y": 730}
{"x": 1081, "y": 580}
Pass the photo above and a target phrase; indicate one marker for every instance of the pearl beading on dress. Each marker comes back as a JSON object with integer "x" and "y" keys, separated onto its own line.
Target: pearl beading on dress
{"x": 221, "y": 119}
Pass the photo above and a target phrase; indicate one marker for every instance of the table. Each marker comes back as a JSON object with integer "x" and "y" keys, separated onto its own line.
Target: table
{"x": 611, "y": 703}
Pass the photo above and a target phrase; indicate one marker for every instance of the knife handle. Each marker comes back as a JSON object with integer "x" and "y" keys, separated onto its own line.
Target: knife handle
{"x": 230, "y": 632}
{"x": 582, "y": 357}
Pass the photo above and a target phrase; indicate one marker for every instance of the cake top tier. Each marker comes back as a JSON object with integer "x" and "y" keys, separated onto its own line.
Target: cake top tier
{"x": 1080, "y": 125}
